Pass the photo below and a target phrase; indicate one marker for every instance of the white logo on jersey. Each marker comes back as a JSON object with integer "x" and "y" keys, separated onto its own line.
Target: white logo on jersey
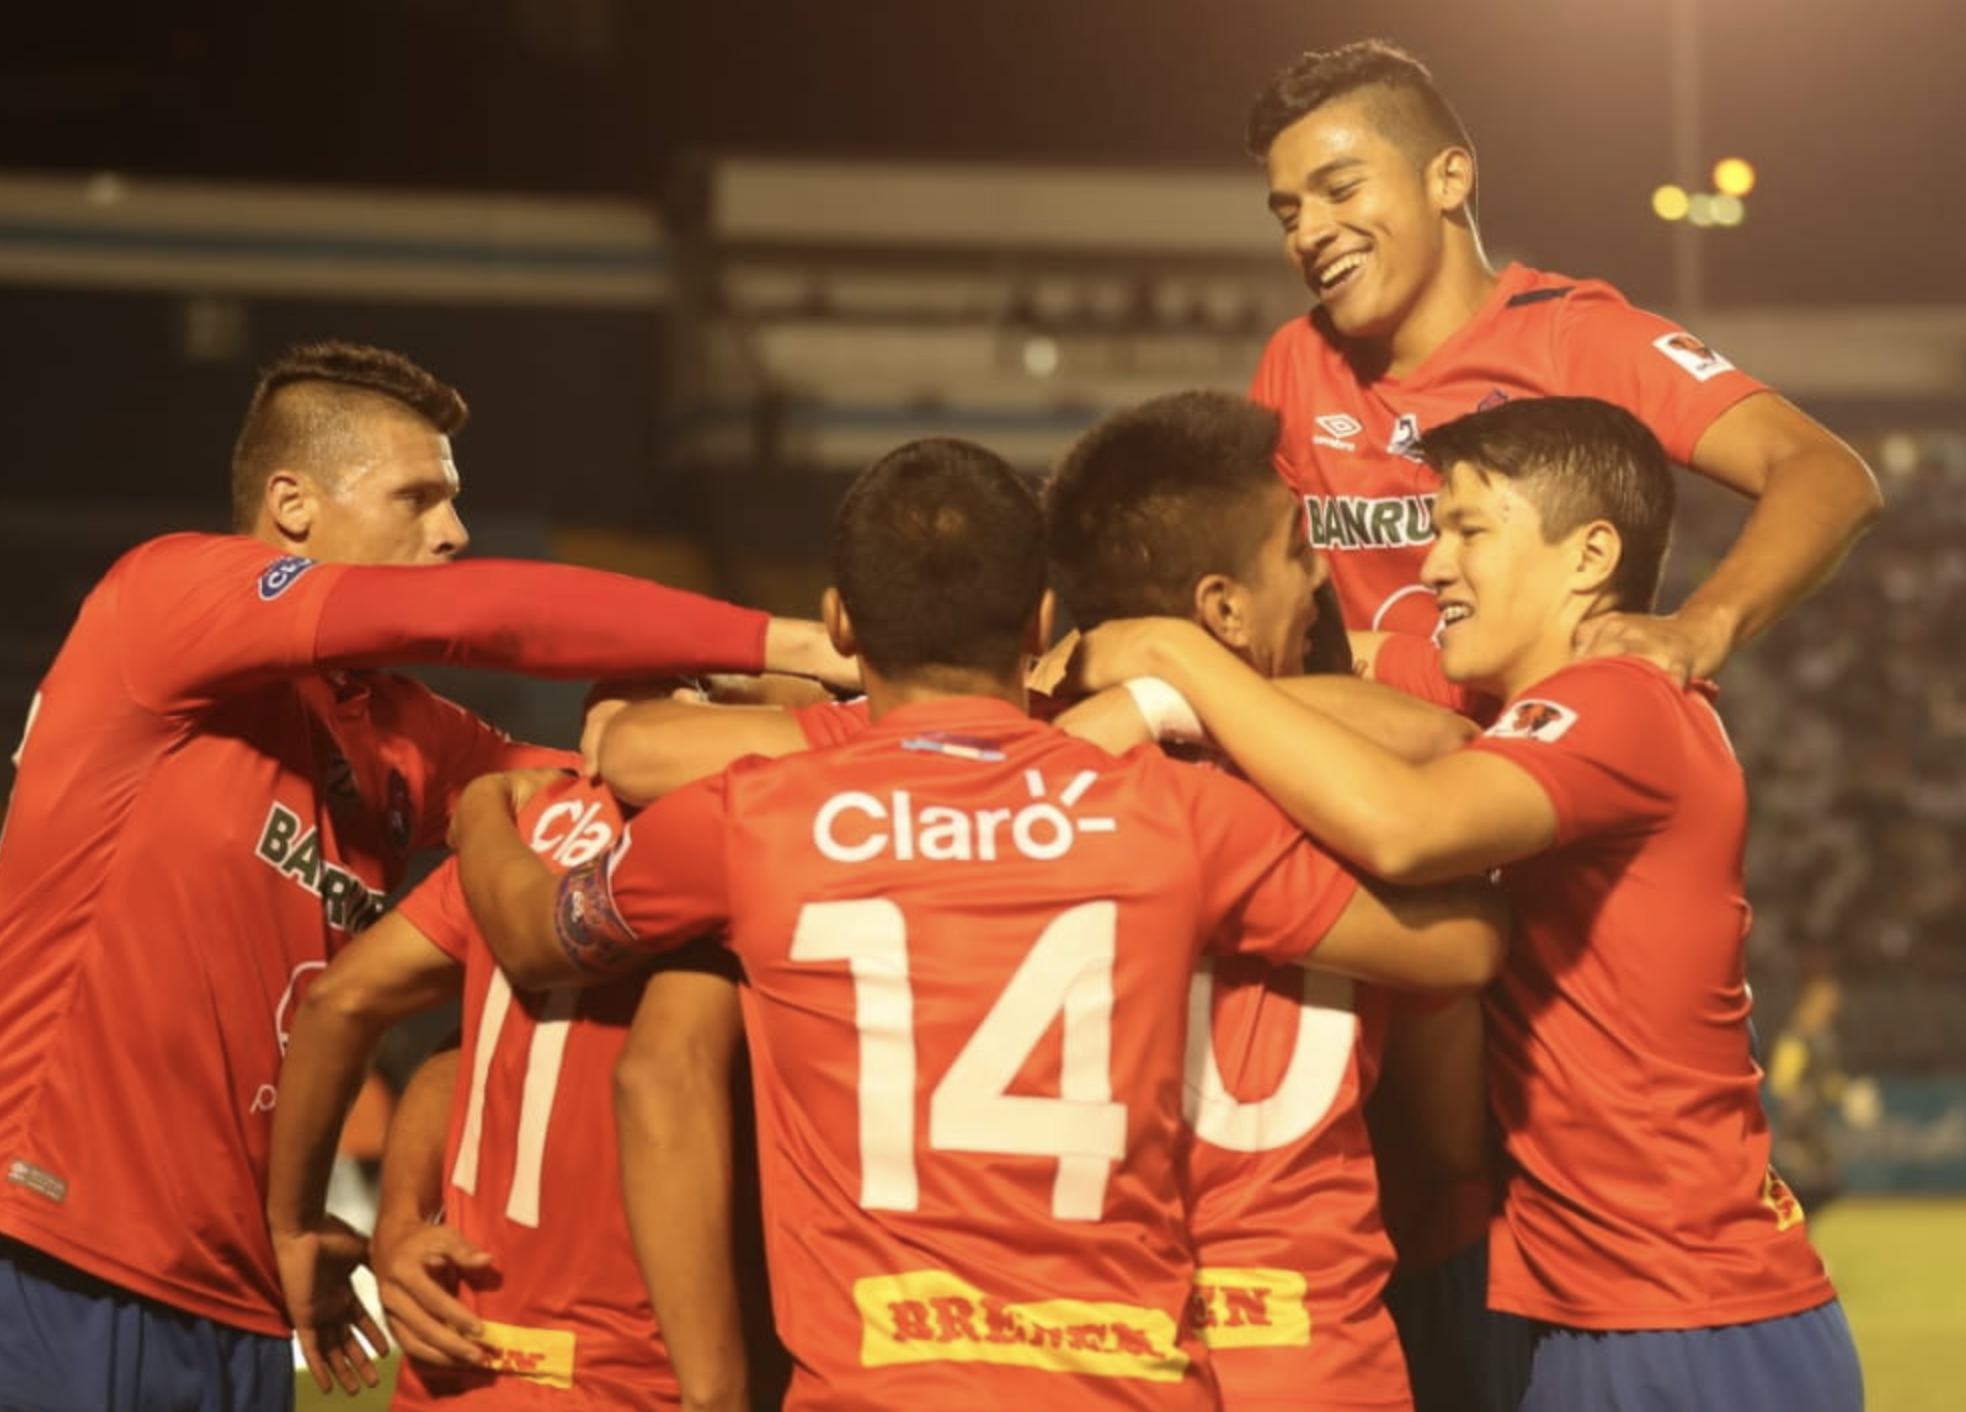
{"x": 571, "y": 833}
{"x": 279, "y": 576}
{"x": 1368, "y": 522}
{"x": 1533, "y": 719}
{"x": 856, "y": 826}
{"x": 1691, "y": 354}
{"x": 1405, "y": 440}
{"x": 1338, "y": 430}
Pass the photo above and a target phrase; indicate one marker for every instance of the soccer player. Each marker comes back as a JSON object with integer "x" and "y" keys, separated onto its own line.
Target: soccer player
{"x": 1643, "y": 1239}
{"x": 1173, "y": 506}
{"x": 1372, "y": 177}
{"x": 549, "y": 1293}
{"x": 213, "y": 794}
{"x": 967, "y": 940}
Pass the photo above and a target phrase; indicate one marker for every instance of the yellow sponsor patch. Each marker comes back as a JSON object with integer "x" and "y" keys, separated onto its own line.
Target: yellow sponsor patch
{"x": 1251, "y": 1308}
{"x": 931, "y": 1316}
{"x": 542, "y": 1356}
{"x": 1777, "y": 1197}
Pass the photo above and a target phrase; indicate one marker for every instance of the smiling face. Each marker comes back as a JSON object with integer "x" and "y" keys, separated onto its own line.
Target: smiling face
{"x": 1367, "y": 225}
{"x": 1509, "y": 600}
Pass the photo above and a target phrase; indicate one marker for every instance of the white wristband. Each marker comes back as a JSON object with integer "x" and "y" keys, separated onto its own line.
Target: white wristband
{"x": 1168, "y": 714}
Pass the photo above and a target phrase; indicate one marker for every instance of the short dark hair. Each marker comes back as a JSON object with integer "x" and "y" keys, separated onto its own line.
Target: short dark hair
{"x": 1576, "y": 459}
{"x": 1408, "y": 108}
{"x": 310, "y": 409}
{"x": 938, "y": 556}
{"x": 1153, "y": 498}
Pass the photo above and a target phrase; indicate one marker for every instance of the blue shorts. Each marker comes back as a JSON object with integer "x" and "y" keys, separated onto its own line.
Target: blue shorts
{"x": 1800, "y": 1363}
{"x": 70, "y": 1342}
{"x": 1450, "y": 1338}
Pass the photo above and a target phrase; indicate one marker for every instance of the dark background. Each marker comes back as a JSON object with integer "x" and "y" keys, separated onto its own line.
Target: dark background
{"x": 1853, "y": 113}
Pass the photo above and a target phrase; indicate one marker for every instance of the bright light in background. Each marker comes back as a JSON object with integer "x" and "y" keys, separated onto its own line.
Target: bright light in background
{"x": 1733, "y": 176}
{"x": 1041, "y": 357}
{"x": 1669, "y": 203}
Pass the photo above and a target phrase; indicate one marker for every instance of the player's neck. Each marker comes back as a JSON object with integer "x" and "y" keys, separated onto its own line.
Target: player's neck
{"x": 1448, "y": 305}
{"x": 885, "y": 693}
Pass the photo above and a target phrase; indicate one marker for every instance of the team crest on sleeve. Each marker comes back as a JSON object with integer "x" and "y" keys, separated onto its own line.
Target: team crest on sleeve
{"x": 591, "y": 929}
{"x": 1532, "y": 719}
{"x": 277, "y": 577}
{"x": 1691, "y": 354}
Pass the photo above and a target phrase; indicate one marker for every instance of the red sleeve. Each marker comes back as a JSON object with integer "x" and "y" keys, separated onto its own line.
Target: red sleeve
{"x": 831, "y": 722}
{"x": 1669, "y": 379}
{"x": 1592, "y": 736}
{"x": 203, "y": 616}
{"x": 1410, "y": 663}
{"x": 436, "y": 908}
{"x": 1276, "y": 891}
{"x": 664, "y": 883}
{"x": 549, "y": 620}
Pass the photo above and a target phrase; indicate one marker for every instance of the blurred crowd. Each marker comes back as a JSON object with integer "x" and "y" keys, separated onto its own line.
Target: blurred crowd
{"x": 1850, "y": 718}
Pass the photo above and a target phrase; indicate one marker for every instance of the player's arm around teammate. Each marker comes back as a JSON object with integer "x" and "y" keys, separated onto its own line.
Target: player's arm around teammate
{"x": 390, "y": 972}
{"x": 1814, "y": 497}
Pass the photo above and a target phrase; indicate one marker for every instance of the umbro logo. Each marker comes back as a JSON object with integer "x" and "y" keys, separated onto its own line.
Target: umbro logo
{"x": 1340, "y": 425}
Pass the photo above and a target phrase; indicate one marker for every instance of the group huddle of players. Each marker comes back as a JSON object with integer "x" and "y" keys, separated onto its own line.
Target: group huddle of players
{"x": 1085, "y": 1075}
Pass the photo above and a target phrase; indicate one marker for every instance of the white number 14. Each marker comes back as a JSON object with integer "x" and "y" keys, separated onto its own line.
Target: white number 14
{"x": 1069, "y": 974}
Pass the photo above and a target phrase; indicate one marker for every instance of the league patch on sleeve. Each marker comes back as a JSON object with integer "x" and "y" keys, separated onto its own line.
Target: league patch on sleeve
{"x": 1531, "y": 719}
{"x": 277, "y": 577}
{"x": 590, "y": 928}
{"x": 1691, "y": 354}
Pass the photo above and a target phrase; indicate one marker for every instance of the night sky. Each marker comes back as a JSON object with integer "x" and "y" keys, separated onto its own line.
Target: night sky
{"x": 1855, "y": 114}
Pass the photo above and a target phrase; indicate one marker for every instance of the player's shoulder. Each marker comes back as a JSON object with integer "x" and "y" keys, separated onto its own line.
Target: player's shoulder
{"x": 195, "y": 559}
{"x": 1629, "y": 695}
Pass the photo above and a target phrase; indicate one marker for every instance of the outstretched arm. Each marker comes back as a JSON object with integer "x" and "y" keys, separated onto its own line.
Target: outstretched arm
{"x": 556, "y": 620}
{"x": 1814, "y": 498}
{"x": 654, "y": 747}
{"x": 1451, "y": 817}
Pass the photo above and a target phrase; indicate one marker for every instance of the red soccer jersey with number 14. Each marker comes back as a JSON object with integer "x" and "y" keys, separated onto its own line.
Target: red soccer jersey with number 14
{"x": 968, "y": 940}
{"x": 1348, "y": 445}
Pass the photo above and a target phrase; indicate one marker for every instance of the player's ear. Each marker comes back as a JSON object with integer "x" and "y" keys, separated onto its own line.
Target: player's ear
{"x": 1037, "y": 637}
{"x": 1600, "y": 549}
{"x": 839, "y": 627}
{"x": 1218, "y": 608}
{"x": 288, "y": 503}
{"x": 1451, "y": 178}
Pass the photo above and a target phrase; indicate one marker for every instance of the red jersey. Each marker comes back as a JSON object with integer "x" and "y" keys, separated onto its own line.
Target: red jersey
{"x": 532, "y": 1139}
{"x": 967, "y": 939}
{"x": 1285, "y": 1197}
{"x": 200, "y": 819}
{"x": 1639, "y": 1194}
{"x": 1348, "y": 446}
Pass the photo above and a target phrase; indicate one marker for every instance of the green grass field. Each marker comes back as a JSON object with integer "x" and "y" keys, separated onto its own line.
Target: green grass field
{"x": 1898, "y": 1262}
{"x": 1900, "y": 1266}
